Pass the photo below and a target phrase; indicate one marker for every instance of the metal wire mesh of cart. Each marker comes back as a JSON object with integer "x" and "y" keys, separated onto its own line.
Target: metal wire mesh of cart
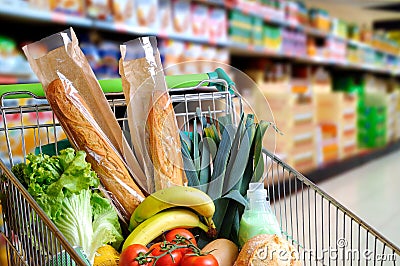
{"x": 323, "y": 231}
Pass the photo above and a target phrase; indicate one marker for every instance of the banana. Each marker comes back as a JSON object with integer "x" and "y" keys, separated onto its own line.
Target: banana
{"x": 161, "y": 222}
{"x": 176, "y": 196}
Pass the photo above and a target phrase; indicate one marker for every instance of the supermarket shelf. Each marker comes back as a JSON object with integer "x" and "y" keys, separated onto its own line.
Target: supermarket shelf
{"x": 26, "y": 13}
{"x": 253, "y": 9}
{"x": 15, "y": 77}
{"x": 124, "y": 28}
{"x": 44, "y": 16}
{"x": 251, "y": 50}
{"x": 60, "y": 18}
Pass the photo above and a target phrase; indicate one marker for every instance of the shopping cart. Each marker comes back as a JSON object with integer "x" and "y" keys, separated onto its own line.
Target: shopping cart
{"x": 323, "y": 231}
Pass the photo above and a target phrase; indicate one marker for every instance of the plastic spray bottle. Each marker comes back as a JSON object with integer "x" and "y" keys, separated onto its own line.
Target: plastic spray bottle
{"x": 257, "y": 217}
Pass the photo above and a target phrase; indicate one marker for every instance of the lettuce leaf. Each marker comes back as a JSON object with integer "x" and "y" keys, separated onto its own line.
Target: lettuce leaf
{"x": 66, "y": 189}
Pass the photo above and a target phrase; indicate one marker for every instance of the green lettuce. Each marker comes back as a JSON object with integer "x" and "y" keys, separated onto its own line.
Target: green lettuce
{"x": 66, "y": 189}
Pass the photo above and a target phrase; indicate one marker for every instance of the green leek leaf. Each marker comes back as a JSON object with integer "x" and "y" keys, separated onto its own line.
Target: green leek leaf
{"x": 205, "y": 170}
{"x": 190, "y": 168}
{"x": 258, "y": 156}
{"x": 219, "y": 165}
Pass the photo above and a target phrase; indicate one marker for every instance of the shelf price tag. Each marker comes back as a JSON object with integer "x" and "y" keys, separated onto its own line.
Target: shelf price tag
{"x": 163, "y": 33}
{"x": 59, "y": 17}
{"x": 121, "y": 27}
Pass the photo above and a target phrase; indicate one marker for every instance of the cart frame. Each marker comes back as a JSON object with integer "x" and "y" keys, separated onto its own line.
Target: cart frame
{"x": 313, "y": 221}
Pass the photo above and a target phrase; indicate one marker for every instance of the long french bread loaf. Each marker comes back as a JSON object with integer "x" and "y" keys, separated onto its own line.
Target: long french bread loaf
{"x": 164, "y": 145}
{"x": 84, "y": 133}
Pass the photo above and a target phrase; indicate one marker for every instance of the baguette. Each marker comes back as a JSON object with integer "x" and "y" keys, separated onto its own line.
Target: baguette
{"x": 85, "y": 134}
{"x": 267, "y": 250}
{"x": 164, "y": 143}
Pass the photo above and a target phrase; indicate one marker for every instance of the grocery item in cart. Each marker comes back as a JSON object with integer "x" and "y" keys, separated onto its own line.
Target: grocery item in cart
{"x": 151, "y": 117}
{"x": 80, "y": 106}
{"x": 65, "y": 187}
{"x": 258, "y": 217}
{"x": 267, "y": 250}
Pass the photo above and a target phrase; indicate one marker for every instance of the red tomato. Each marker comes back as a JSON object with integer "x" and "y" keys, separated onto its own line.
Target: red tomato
{"x": 191, "y": 259}
{"x": 172, "y": 258}
{"x": 129, "y": 256}
{"x": 174, "y": 236}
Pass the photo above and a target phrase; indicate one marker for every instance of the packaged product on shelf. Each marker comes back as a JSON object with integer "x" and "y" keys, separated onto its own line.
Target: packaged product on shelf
{"x": 319, "y": 19}
{"x": 16, "y": 3}
{"x": 192, "y": 54}
{"x": 207, "y": 58}
{"x": 222, "y": 57}
{"x": 164, "y": 17}
{"x": 7, "y": 54}
{"x": 12, "y": 62}
{"x": 172, "y": 54}
{"x": 99, "y": 9}
{"x": 272, "y": 37}
{"x": 199, "y": 20}
{"x": 122, "y": 11}
{"x": 291, "y": 12}
{"x": 150, "y": 114}
{"x": 257, "y": 31}
{"x": 109, "y": 55}
{"x": 72, "y": 7}
{"x": 339, "y": 28}
{"x": 92, "y": 54}
{"x": 181, "y": 20}
{"x": 218, "y": 25}
{"x": 145, "y": 13}
{"x": 80, "y": 106}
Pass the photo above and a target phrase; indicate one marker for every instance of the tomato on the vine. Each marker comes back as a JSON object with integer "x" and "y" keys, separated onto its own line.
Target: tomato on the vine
{"x": 181, "y": 236}
{"x": 134, "y": 255}
{"x": 191, "y": 259}
{"x": 168, "y": 255}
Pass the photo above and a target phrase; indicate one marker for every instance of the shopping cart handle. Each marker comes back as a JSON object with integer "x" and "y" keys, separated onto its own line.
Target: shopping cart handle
{"x": 15, "y": 91}
{"x": 193, "y": 80}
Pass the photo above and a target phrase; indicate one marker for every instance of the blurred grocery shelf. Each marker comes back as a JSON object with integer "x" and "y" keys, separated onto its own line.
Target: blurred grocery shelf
{"x": 301, "y": 58}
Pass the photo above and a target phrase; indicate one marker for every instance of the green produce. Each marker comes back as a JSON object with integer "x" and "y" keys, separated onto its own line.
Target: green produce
{"x": 174, "y": 196}
{"x": 66, "y": 189}
{"x": 221, "y": 160}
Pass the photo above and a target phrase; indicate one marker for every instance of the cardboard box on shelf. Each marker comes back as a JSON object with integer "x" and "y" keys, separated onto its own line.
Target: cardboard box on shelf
{"x": 172, "y": 55}
{"x": 218, "y": 25}
{"x": 145, "y": 13}
{"x": 339, "y": 109}
{"x": 294, "y": 116}
{"x": 99, "y": 9}
{"x": 181, "y": 20}
{"x": 200, "y": 20}
{"x": 71, "y": 7}
{"x": 164, "y": 17}
{"x": 122, "y": 11}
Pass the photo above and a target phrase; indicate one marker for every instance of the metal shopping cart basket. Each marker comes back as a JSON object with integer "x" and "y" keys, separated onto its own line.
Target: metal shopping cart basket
{"x": 323, "y": 231}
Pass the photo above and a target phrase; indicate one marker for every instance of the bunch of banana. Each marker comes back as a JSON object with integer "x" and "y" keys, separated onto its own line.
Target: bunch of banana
{"x": 169, "y": 208}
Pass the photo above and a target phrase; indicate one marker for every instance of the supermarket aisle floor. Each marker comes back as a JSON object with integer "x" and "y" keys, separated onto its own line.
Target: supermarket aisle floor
{"x": 372, "y": 191}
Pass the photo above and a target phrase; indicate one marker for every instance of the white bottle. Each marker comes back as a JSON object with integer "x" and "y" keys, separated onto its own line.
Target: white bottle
{"x": 257, "y": 217}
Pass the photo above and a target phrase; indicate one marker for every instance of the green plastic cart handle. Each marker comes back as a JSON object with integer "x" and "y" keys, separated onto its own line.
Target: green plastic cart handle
{"x": 185, "y": 81}
{"x": 115, "y": 85}
{"x": 108, "y": 86}
{"x": 192, "y": 80}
